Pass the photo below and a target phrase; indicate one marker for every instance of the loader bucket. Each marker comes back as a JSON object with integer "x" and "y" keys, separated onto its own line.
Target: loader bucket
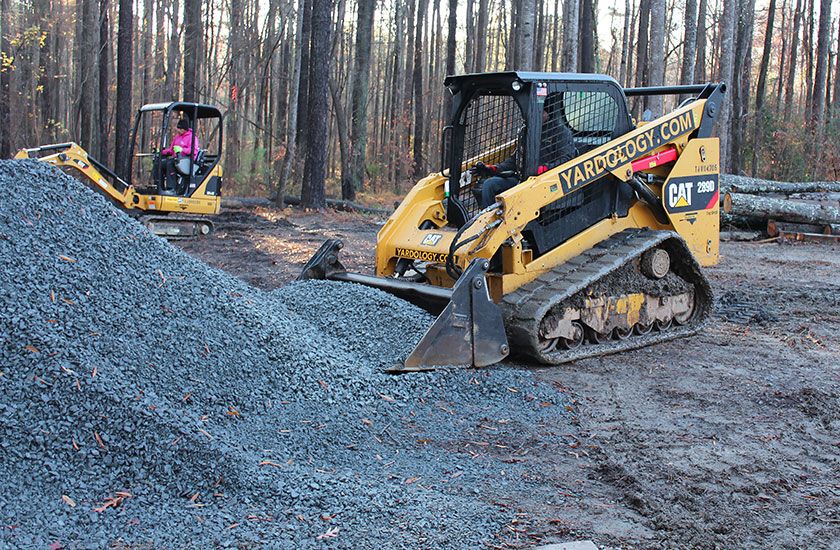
{"x": 468, "y": 332}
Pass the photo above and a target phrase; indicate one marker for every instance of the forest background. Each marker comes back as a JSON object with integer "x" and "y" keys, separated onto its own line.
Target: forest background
{"x": 341, "y": 97}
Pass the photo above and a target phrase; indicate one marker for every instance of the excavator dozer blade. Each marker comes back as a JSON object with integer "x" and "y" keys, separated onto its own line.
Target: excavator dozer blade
{"x": 470, "y": 330}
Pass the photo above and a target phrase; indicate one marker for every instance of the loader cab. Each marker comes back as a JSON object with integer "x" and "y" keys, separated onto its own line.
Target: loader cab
{"x": 496, "y": 116}
{"x": 154, "y": 130}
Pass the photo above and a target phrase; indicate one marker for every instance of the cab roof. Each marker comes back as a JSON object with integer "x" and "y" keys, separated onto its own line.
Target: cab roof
{"x": 201, "y": 110}
{"x": 459, "y": 81}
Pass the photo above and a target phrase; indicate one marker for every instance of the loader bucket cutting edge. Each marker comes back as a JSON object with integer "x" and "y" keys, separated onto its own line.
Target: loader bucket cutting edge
{"x": 468, "y": 332}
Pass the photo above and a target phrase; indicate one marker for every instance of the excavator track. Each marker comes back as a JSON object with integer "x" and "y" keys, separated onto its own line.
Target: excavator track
{"x": 177, "y": 227}
{"x": 624, "y": 293}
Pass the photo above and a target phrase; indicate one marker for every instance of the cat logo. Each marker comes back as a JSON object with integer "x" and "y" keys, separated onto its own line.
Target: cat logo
{"x": 679, "y": 195}
{"x": 431, "y": 239}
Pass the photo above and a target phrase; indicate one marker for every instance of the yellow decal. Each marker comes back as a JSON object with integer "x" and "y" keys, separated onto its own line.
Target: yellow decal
{"x": 632, "y": 148}
{"x": 421, "y": 255}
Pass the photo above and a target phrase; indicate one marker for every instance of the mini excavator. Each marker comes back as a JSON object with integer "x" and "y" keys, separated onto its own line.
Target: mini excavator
{"x": 171, "y": 211}
{"x": 578, "y": 258}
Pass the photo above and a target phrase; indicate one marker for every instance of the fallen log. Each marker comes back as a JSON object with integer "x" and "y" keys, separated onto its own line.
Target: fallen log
{"x": 336, "y": 204}
{"x": 755, "y": 186}
{"x": 754, "y": 206}
{"x": 775, "y": 227}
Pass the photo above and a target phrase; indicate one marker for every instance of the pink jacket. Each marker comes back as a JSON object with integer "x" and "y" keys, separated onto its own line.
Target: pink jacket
{"x": 185, "y": 142}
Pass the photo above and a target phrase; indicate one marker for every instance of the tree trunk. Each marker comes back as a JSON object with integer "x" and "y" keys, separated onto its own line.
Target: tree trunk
{"x": 571, "y": 25}
{"x": 625, "y": 46}
{"x": 754, "y": 206}
{"x": 359, "y": 99}
{"x": 418, "y": 90}
{"x": 727, "y": 75}
{"x": 754, "y": 186}
{"x": 87, "y": 74}
{"x": 303, "y": 88}
{"x": 525, "y": 33}
{"x": 5, "y": 92}
{"x": 104, "y": 78}
{"x": 689, "y": 44}
{"x": 173, "y": 72}
{"x": 125, "y": 66}
{"x": 760, "y": 116}
{"x": 642, "y": 54}
{"x": 291, "y": 142}
{"x": 835, "y": 104}
{"x": 451, "y": 45}
{"x": 794, "y": 52}
{"x": 657, "y": 52}
{"x": 587, "y": 37}
{"x": 700, "y": 63}
{"x": 823, "y": 40}
{"x": 314, "y": 172}
{"x": 740, "y": 91}
{"x": 481, "y": 37}
{"x": 193, "y": 49}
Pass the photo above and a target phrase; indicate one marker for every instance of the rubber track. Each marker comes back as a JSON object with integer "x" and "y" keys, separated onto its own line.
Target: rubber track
{"x": 145, "y": 219}
{"x": 525, "y": 308}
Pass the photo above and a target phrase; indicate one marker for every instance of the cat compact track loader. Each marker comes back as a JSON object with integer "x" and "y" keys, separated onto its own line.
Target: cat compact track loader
{"x": 596, "y": 246}
{"x": 171, "y": 211}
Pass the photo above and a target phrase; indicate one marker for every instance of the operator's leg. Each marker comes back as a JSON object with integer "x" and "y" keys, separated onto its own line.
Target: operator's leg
{"x": 493, "y": 186}
{"x": 169, "y": 175}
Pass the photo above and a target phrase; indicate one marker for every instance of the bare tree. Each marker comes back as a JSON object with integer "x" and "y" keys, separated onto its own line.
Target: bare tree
{"x": 587, "y": 37}
{"x": 422, "y": 6}
{"x": 726, "y": 74}
{"x": 700, "y": 63}
{"x": 104, "y": 77}
{"x": 689, "y": 42}
{"x": 794, "y": 52}
{"x": 761, "y": 118}
{"x": 657, "y": 52}
{"x": 125, "y": 68}
{"x": 313, "y": 194}
{"x": 193, "y": 49}
{"x": 823, "y": 40}
{"x": 524, "y": 31}
{"x": 359, "y": 100}
{"x": 571, "y": 25}
{"x": 5, "y": 79}
{"x": 291, "y": 142}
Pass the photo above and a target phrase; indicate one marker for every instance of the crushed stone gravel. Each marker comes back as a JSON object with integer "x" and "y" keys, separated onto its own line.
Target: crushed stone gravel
{"x": 149, "y": 399}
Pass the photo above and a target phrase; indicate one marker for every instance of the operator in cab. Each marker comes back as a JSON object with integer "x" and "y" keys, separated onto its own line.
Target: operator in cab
{"x": 556, "y": 147}
{"x": 184, "y": 145}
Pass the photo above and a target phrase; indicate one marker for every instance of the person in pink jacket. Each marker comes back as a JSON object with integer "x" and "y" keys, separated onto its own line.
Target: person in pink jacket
{"x": 184, "y": 145}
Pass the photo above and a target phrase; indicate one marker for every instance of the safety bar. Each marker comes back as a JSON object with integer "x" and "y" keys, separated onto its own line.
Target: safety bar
{"x": 671, "y": 90}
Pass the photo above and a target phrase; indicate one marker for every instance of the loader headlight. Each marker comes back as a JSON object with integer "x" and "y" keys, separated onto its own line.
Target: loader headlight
{"x": 516, "y": 85}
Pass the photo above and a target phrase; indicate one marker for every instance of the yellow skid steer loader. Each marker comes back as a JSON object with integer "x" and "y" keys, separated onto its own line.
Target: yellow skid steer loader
{"x": 593, "y": 243}
{"x": 173, "y": 205}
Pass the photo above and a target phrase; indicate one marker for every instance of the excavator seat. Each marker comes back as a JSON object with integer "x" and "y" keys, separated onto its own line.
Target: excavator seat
{"x": 183, "y": 165}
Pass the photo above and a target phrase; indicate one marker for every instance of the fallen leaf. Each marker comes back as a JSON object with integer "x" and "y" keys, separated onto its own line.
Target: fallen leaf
{"x": 324, "y": 384}
{"x": 66, "y": 259}
{"x": 387, "y": 398}
{"x": 233, "y": 525}
{"x": 205, "y": 433}
{"x": 98, "y": 439}
{"x": 70, "y": 502}
{"x": 367, "y": 422}
{"x": 68, "y": 301}
{"x": 52, "y": 296}
{"x": 411, "y": 480}
{"x": 32, "y": 348}
{"x": 269, "y": 463}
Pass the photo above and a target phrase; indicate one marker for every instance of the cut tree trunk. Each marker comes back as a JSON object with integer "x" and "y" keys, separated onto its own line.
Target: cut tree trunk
{"x": 753, "y": 206}
{"x": 753, "y": 186}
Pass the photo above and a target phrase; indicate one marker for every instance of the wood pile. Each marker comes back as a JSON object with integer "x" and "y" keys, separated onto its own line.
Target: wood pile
{"x": 804, "y": 211}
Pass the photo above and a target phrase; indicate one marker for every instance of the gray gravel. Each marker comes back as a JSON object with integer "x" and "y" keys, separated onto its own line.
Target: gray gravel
{"x": 229, "y": 415}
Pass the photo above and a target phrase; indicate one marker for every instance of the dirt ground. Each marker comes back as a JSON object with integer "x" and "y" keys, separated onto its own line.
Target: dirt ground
{"x": 728, "y": 439}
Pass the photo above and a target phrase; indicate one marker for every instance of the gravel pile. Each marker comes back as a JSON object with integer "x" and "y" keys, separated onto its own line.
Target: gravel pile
{"x": 148, "y": 398}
